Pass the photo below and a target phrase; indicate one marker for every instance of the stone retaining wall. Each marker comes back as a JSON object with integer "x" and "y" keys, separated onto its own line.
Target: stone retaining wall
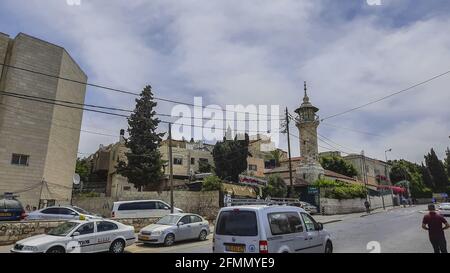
{"x": 11, "y": 232}
{"x": 335, "y": 206}
{"x": 205, "y": 204}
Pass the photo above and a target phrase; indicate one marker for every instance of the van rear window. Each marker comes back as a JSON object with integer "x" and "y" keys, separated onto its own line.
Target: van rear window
{"x": 237, "y": 223}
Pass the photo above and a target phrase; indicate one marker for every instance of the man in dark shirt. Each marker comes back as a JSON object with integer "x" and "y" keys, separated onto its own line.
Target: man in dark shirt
{"x": 433, "y": 223}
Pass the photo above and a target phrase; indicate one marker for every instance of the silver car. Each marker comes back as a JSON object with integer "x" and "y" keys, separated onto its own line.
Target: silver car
{"x": 61, "y": 213}
{"x": 444, "y": 209}
{"x": 174, "y": 228}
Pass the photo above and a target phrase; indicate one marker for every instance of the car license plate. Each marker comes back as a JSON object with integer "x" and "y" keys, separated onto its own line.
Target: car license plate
{"x": 235, "y": 248}
{"x": 5, "y": 214}
{"x": 141, "y": 237}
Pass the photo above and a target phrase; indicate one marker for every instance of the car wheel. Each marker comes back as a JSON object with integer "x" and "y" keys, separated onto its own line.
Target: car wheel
{"x": 169, "y": 240}
{"x": 118, "y": 246}
{"x": 329, "y": 247}
{"x": 56, "y": 250}
{"x": 203, "y": 235}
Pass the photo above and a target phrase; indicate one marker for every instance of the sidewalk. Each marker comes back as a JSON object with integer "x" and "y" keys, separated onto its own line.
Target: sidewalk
{"x": 327, "y": 219}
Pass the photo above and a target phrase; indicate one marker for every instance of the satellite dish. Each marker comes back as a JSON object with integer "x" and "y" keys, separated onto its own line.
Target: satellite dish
{"x": 76, "y": 179}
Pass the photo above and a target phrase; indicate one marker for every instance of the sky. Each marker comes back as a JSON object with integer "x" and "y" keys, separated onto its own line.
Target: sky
{"x": 259, "y": 52}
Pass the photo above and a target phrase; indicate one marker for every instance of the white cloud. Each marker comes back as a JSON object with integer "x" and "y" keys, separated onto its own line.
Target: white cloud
{"x": 259, "y": 52}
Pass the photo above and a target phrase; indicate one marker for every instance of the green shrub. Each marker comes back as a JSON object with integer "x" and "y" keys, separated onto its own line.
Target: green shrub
{"x": 212, "y": 183}
{"x": 275, "y": 187}
{"x": 340, "y": 190}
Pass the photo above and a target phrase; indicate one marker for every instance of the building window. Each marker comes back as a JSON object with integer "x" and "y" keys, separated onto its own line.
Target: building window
{"x": 204, "y": 160}
{"x": 18, "y": 159}
{"x": 192, "y": 161}
{"x": 252, "y": 167}
{"x": 126, "y": 188}
{"x": 178, "y": 161}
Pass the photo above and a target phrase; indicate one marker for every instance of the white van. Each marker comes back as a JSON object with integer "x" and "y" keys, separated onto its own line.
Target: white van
{"x": 269, "y": 229}
{"x": 141, "y": 209}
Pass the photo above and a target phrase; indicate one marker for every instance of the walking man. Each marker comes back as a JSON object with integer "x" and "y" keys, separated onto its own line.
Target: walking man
{"x": 367, "y": 205}
{"x": 433, "y": 223}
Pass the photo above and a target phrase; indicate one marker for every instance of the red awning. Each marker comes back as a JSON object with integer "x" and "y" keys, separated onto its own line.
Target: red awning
{"x": 395, "y": 189}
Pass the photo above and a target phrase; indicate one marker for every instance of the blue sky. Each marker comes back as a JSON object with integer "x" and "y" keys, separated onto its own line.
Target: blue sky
{"x": 260, "y": 52}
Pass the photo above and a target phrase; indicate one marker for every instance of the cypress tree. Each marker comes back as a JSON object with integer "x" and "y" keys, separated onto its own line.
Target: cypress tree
{"x": 437, "y": 171}
{"x": 144, "y": 165}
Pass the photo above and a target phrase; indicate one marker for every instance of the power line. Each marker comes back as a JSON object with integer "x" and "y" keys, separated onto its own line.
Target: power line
{"x": 120, "y": 90}
{"x": 4, "y": 107}
{"x": 388, "y": 96}
{"x": 350, "y": 129}
{"x": 39, "y": 99}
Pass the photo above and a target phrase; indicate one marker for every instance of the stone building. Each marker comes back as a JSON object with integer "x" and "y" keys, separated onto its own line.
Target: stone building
{"x": 38, "y": 141}
{"x": 307, "y": 122}
{"x": 377, "y": 171}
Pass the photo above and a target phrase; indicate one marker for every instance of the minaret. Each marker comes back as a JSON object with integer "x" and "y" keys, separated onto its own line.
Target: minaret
{"x": 307, "y": 122}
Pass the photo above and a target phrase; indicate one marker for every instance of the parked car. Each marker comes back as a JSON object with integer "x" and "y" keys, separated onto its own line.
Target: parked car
{"x": 11, "y": 210}
{"x": 444, "y": 209}
{"x": 311, "y": 209}
{"x": 174, "y": 228}
{"x": 80, "y": 236}
{"x": 141, "y": 209}
{"x": 61, "y": 213}
{"x": 269, "y": 229}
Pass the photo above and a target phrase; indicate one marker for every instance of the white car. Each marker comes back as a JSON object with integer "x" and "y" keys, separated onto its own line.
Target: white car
{"x": 61, "y": 213}
{"x": 444, "y": 209}
{"x": 80, "y": 236}
{"x": 269, "y": 229}
{"x": 141, "y": 209}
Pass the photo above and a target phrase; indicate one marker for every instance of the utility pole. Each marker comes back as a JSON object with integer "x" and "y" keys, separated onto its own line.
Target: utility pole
{"x": 170, "y": 168}
{"x": 291, "y": 188}
{"x": 365, "y": 175}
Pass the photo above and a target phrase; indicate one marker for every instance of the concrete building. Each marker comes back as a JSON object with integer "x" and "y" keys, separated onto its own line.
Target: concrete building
{"x": 377, "y": 171}
{"x": 39, "y": 141}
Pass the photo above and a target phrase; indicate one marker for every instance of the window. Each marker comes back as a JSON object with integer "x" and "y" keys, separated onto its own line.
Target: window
{"x": 285, "y": 223}
{"x": 237, "y": 223}
{"x": 86, "y": 229}
{"x": 203, "y": 160}
{"x": 133, "y": 206}
{"x": 252, "y": 167}
{"x": 178, "y": 161}
{"x": 18, "y": 159}
{"x": 186, "y": 220}
{"x": 65, "y": 211}
{"x": 192, "y": 160}
{"x": 147, "y": 205}
{"x": 195, "y": 219}
{"x": 126, "y": 188}
{"x": 106, "y": 226}
{"x": 310, "y": 224}
{"x": 51, "y": 211}
{"x": 160, "y": 205}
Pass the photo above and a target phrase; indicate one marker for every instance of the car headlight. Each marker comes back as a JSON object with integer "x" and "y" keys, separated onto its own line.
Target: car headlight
{"x": 30, "y": 248}
{"x": 157, "y": 233}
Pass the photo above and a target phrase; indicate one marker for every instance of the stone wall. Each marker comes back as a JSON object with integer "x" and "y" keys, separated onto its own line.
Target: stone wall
{"x": 335, "y": 206}
{"x": 205, "y": 204}
{"x": 11, "y": 232}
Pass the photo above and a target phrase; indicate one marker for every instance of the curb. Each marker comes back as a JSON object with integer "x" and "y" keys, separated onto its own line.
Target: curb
{"x": 331, "y": 221}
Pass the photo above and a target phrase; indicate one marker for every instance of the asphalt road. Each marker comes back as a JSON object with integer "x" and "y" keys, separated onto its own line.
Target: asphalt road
{"x": 395, "y": 231}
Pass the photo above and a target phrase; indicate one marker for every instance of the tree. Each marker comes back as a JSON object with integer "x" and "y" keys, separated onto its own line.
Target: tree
{"x": 212, "y": 183}
{"x": 204, "y": 167}
{"x": 412, "y": 172}
{"x": 338, "y": 165}
{"x": 437, "y": 171}
{"x": 230, "y": 158}
{"x": 276, "y": 187}
{"x": 447, "y": 162}
{"x": 144, "y": 165}
{"x": 426, "y": 176}
{"x": 82, "y": 169}
{"x": 276, "y": 156}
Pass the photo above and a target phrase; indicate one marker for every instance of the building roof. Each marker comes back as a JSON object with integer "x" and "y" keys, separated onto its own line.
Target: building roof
{"x": 338, "y": 175}
{"x": 297, "y": 158}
